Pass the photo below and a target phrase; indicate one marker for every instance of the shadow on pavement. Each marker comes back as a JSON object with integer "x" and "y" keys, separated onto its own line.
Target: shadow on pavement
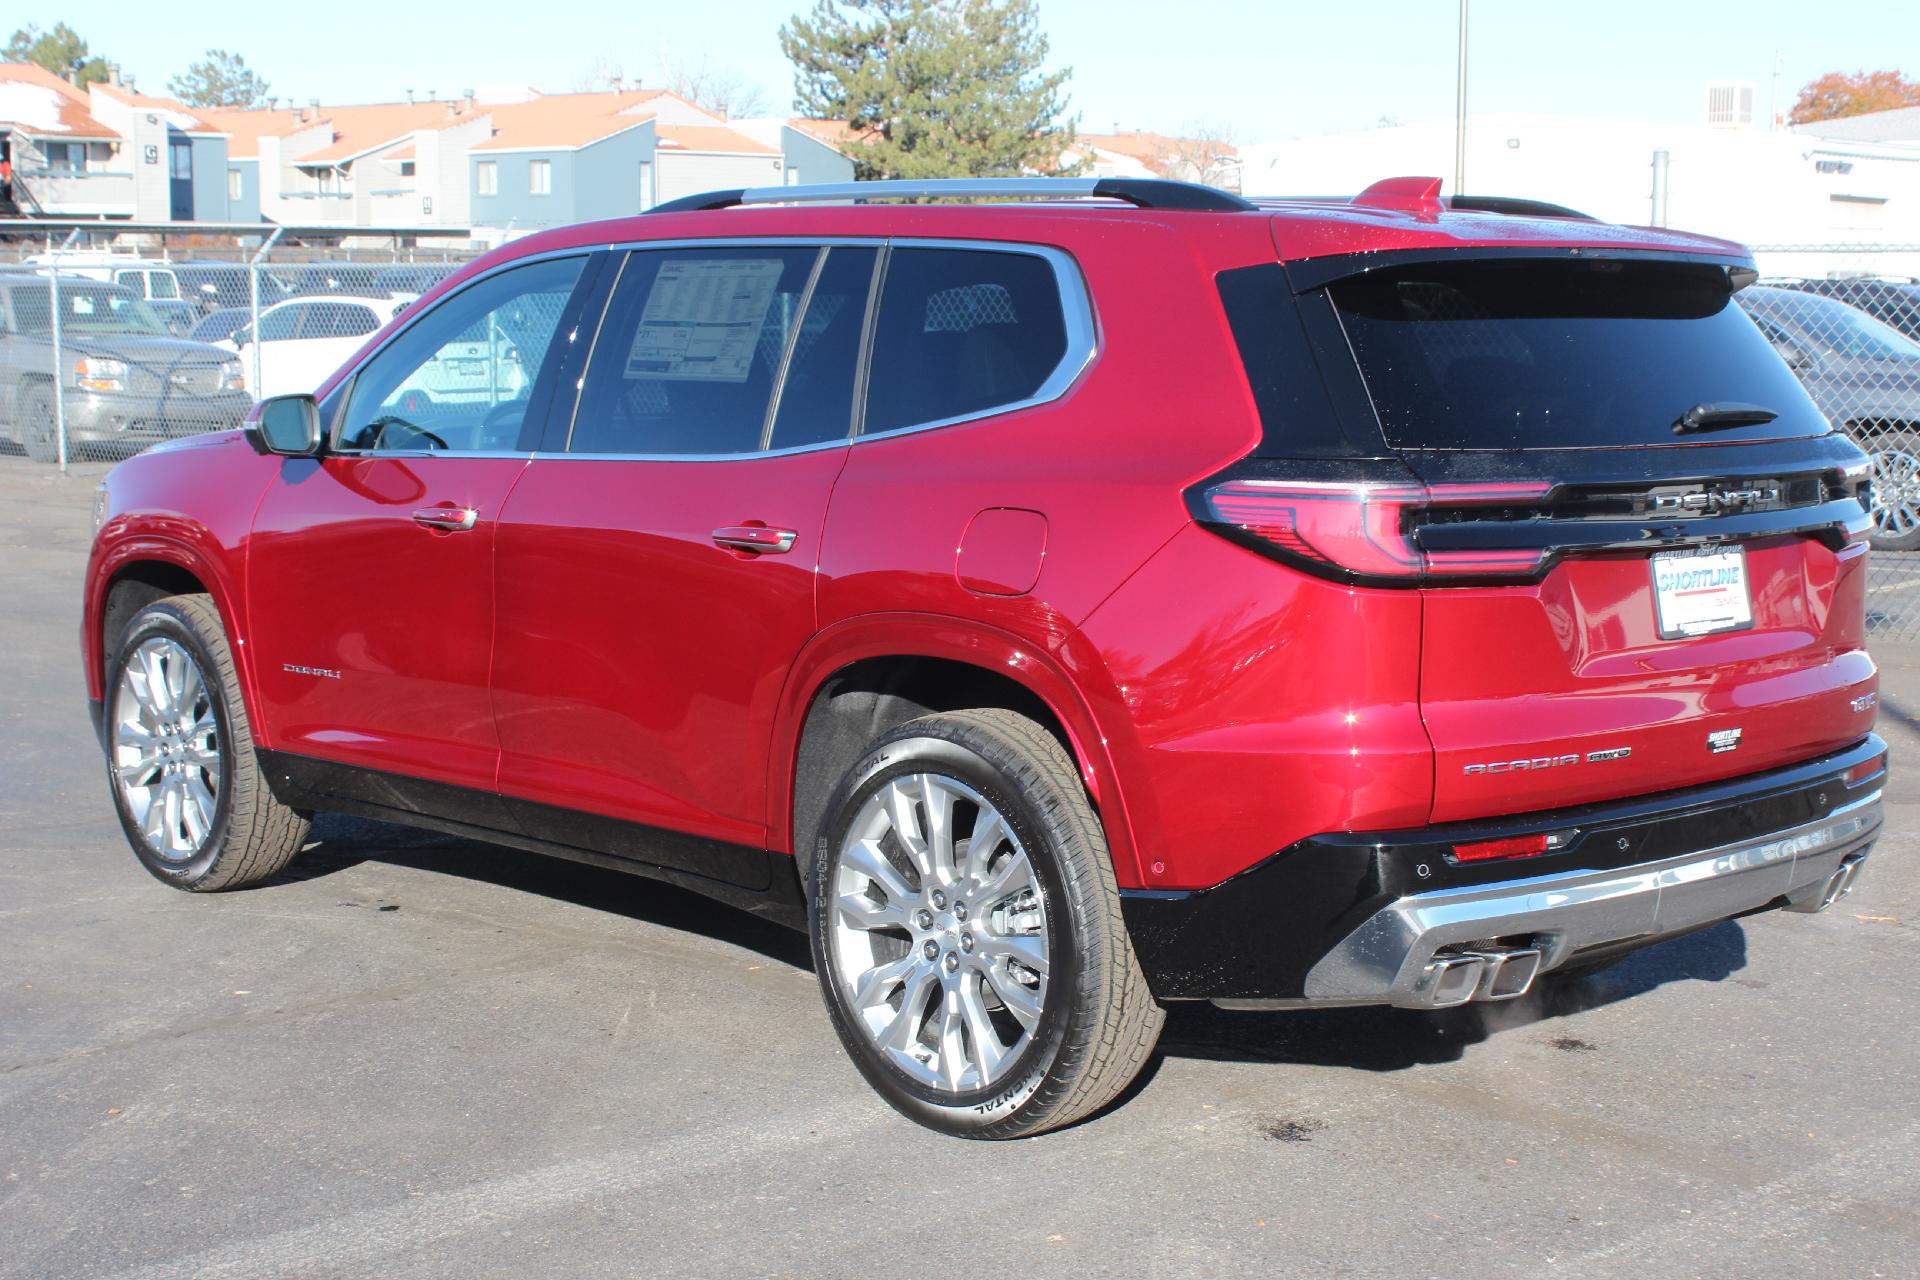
{"x": 1368, "y": 1039}
{"x": 1383, "y": 1039}
{"x": 343, "y": 842}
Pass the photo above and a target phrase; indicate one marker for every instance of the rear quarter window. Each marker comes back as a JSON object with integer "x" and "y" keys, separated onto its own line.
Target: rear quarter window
{"x": 962, "y": 332}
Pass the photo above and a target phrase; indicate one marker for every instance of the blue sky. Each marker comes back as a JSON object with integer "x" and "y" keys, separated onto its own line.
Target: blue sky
{"x": 1265, "y": 70}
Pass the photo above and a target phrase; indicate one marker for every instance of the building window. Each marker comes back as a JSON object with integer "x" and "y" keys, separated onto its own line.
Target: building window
{"x": 180, "y": 161}
{"x": 486, "y": 177}
{"x": 540, "y": 177}
{"x": 793, "y": 175}
{"x": 646, "y": 185}
{"x": 406, "y": 168}
{"x": 236, "y": 184}
{"x": 68, "y": 156}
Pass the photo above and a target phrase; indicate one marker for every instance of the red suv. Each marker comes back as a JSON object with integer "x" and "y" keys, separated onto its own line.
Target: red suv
{"x": 1059, "y": 607}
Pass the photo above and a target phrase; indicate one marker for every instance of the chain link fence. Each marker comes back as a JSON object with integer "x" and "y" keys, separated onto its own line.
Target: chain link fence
{"x": 105, "y": 352}
{"x": 1846, "y": 319}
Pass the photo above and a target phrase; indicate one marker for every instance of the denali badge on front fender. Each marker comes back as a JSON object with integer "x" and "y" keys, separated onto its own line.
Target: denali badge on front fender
{"x": 1721, "y": 741}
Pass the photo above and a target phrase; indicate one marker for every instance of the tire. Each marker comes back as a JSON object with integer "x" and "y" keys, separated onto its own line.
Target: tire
{"x": 1895, "y": 453}
{"x": 189, "y": 793}
{"x": 37, "y": 424}
{"x": 1031, "y": 1011}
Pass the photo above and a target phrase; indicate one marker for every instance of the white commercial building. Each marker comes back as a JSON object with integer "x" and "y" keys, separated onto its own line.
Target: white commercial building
{"x": 1766, "y": 189}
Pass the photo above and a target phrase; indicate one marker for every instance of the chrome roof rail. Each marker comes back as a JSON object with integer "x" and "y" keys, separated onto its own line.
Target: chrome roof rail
{"x": 1142, "y": 193}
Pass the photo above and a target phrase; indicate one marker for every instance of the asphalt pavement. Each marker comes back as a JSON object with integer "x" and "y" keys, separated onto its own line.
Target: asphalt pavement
{"x": 421, "y": 1056}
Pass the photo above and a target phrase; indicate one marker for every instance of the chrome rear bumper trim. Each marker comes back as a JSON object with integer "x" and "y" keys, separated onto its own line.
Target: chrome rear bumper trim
{"x": 1386, "y": 959}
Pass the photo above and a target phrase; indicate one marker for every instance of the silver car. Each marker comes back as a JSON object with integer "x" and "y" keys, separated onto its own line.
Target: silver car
{"x": 125, "y": 381}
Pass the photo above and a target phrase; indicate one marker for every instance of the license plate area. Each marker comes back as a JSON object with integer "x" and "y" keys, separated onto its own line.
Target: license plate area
{"x": 1701, "y": 591}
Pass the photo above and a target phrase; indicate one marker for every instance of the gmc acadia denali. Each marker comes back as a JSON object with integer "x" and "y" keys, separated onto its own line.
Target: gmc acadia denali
{"x": 1118, "y": 594}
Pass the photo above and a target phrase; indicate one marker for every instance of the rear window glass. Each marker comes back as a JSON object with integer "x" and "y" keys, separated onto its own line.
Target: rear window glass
{"x": 1557, "y": 355}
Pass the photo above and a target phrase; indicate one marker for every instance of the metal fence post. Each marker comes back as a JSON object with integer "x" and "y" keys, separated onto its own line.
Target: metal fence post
{"x": 59, "y": 363}
{"x": 253, "y": 288}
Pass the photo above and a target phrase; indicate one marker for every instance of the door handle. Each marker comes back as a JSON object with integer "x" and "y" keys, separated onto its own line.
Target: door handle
{"x": 452, "y": 519}
{"x": 755, "y": 538}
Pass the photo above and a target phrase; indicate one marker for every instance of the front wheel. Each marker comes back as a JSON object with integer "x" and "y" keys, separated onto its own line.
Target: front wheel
{"x": 966, "y": 929}
{"x": 180, "y": 758}
{"x": 39, "y": 427}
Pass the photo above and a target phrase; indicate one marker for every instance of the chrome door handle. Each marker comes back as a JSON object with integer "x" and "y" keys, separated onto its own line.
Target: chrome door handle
{"x": 755, "y": 538}
{"x": 452, "y": 519}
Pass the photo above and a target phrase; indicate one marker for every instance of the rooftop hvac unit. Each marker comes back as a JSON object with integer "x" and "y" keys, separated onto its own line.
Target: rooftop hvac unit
{"x": 1730, "y": 103}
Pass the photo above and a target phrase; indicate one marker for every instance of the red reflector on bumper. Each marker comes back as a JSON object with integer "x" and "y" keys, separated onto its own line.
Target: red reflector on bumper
{"x": 1866, "y": 769}
{"x": 1510, "y": 847}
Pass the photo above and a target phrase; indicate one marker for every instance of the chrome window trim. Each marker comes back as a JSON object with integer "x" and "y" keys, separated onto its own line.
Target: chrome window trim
{"x": 1076, "y": 308}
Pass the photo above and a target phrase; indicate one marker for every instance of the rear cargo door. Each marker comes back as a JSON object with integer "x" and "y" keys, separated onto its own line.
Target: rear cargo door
{"x": 1673, "y": 584}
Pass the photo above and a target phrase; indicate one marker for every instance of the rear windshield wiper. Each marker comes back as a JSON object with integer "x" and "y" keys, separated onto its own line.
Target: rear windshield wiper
{"x": 1721, "y": 415}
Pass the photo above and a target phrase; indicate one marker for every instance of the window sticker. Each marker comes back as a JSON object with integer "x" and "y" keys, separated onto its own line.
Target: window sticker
{"x": 703, "y": 320}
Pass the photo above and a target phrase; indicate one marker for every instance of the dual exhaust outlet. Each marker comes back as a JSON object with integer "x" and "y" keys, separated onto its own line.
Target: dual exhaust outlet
{"x": 1487, "y": 973}
{"x": 1838, "y": 886}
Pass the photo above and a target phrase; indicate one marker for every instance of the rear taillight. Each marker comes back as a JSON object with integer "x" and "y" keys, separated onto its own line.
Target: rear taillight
{"x": 1365, "y": 530}
{"x": 1527, "y": 846}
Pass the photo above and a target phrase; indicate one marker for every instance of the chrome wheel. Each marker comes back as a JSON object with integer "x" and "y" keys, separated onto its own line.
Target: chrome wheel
{"x": 938, "y": 933}
{"x": 166, "y": 748}
{"x": 1896, "y": 492}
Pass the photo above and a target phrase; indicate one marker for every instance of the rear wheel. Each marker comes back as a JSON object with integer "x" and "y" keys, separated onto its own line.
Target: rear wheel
{"x": 966, "y": 929}
{"x": 1895, "y": 453}
{"x": 180, "y": 757}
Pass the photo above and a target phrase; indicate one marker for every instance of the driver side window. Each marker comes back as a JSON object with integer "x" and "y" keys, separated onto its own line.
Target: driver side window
{"x": 461, "y": 376}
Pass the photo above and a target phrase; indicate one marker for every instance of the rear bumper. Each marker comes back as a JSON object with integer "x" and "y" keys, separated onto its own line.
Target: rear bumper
{"x": 1391, "y": 918}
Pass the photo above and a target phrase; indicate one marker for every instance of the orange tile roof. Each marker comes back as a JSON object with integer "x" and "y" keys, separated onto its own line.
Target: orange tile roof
{"x": 42, "y": 105}
{"x": 704, "y": 137}
{"x": 1148, "y": 148}
{"x": 184, "y": 118}
{"x": 356, "y": 130}
{"x": 565, "y": 121}
{"x": 244, "y": 129}
{"x": 835, "y": 133}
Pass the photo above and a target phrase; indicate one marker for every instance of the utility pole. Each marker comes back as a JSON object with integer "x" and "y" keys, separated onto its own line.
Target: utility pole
{"x": 1460, "y": 112}
{"x": 1773, "y": 99}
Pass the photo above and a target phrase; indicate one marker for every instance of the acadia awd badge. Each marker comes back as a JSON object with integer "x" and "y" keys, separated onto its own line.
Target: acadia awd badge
{"x": 1721, "y": 741}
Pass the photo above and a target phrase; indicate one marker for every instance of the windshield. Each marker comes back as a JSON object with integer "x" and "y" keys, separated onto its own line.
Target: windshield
{"x": 86, "y": 309}
{"x": 1532, "y": 354}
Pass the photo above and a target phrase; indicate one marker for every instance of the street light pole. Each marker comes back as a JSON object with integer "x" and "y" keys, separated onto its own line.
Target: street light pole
{"x": 1460, "y": 112}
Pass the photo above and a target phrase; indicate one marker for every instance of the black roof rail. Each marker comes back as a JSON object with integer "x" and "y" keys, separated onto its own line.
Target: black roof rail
{"x": 1142, "y": 193}
{"x": 1514, "y": 206}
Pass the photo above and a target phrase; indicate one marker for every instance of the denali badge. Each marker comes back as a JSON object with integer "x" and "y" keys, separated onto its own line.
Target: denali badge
{"x": 298, "y": 670}
{"x": 1545, "y": 762}
{"x": 1721, "y": 741}
{"x": 1717, "y": 499}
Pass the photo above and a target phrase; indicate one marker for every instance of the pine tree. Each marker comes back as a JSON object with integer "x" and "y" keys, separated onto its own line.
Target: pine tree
{"x": 933, "y": 88}
{"x": 221, "y": 79}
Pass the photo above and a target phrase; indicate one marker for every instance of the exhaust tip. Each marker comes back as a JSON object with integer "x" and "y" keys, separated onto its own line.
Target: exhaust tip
{"x": 1451, "y": 980}
{"x": 1510, "y": 974}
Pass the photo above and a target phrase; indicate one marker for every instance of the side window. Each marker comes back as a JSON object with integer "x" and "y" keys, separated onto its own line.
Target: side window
{"x": 338, "y": 320}
{"x": 962, "y": 331}
{"x": 163, "y": 286}
{"x": 816, "y": 396}
{"x": 690, "y": 349}
{"x": 434, "y": 387}
{"x": 283, "y": 324}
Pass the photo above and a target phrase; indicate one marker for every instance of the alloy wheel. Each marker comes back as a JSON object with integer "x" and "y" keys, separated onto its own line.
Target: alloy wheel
{"x": 939, "y": 933}
{"x": 1896, "y": 492}
{"x": 166, "y": 748}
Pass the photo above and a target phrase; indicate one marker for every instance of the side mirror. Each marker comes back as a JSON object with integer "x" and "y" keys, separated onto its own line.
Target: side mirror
{"x": 289, "y": 425}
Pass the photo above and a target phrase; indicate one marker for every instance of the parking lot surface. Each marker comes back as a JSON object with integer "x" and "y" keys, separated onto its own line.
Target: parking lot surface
{"x": 420, "y": 1056}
